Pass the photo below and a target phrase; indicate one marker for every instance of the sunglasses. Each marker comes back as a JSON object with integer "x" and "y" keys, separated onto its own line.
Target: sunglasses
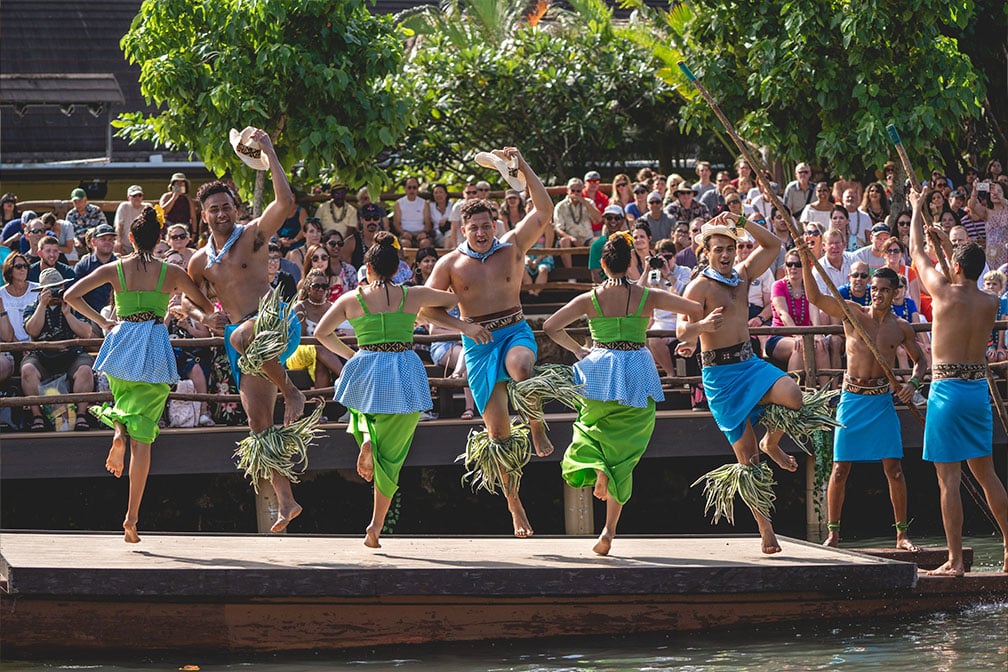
{"x": 179, "y": 236}
{"x": 20, "y": 267}
{"x": 813, "y": 232}
{"x": 903, "y": 222}
{"x": 334, "y": 243}
{"x": 620, "y": 185}
{"x": 593, "y": 181}
{"x": 859, "y": 275}
{"x": 316, "y": 285}
{"x": 804, "y": 172}
{"x": 747, "y": 246}
{"x": 668, "y": 257}
{"x": 370, "y": 219}
{"x": 793, "y": 264}
{"x": 894, "y": 250}
{"x": 470, "y": 192}
{"x": 733, "y": 201}
{"x": 613, "y": 218}
{"x": 482, "y": 188}
{"x": 35, "y": 231}
{"x": 320, "y": 258}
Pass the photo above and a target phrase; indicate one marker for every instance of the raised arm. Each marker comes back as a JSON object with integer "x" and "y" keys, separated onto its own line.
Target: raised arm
{"x": 283, "y": 203}
{"x": 528, "y": 230}
{"x": 768, "y": 247}
{"x": 930, "y": 277}
{"x": 824, "y": 302}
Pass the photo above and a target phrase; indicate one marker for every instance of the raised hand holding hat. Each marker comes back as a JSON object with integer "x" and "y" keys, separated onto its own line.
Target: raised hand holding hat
{"x": 248, "y": 148}
{"x": 506, "y": 165}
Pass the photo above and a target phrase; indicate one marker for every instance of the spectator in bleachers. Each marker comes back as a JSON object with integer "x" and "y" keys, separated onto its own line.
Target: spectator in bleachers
{"x": 660, "y": 184}
{"x": 9, "y": 210}
{"x": 760, "y": 300}
{"x": 50, "y": 318}
{"x": 440, "y": 207}
{"x": 449, "y": 355}
{"x": 592, "y": 193}
{"x": 423, "y": 264}
{"x": 820, "y": 209}
{"x": 125, "y": 213}
{"x": 836, "y": 262}
{"x": 370, "y": 218}
{"x": 336, "y": 213}
{"x": 744, "y": 173}
{"x": 612, "y": 222}
{"x": 714, "y": 199}
{"x": 178, "y": 207}
{"x": 659, "y": 222}
{"x": 338, "y": 268}
{"x": 539, "y": 266}
{"x": 685, "y": 207}
{"x": 791, "y": 308}
{"x": 178, "y": 239}
{"x": 993, "y": 170}
{"x": 363, "y": 200}
{"x": 812, "y": 234}
{"x": 641, "y": 252}
{"x": 874, "y": 255}
{"x": 859, "y": 222}
{"x": 63, "y": 232}
{"x": 681, "y": 236}
{"x": 193, "y": 364}
{"x": 277, "y": 275}
{"x": 16, "y": 294}
{"x": 875, "y": 202}
{"x": 101, "y": 241}
{"x": 636, "y": 208}
{"x": 411, "y": 220}
{"x": 313, "y": 301}
{"x": 291, "y": 232}
{"x": 992, "y": 210}
{"x": 48, "y": 257}
{"x": 688, "y": 255}
{"x": 846, "y": 184}
{"x": 83, "y": 216}
{"x": 900, "y": 230}
{"x": 621, "y": 192}
{"x": 513, "y": 209}
{"x": 799, "y": 192}
{"x": 762, "y": 203}
{"x": 936, "y": 205}
{"x": 994, "y": 284}
{"x": 312, "y": 236}
{"x": 574, "y": 218}
{"x": 704, "y": 184}
{"x": 33, "y": 232}
{"x": 733, "y": 201}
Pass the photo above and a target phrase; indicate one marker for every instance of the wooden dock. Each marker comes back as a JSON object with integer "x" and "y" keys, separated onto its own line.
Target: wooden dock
{"x": 79, "y": 591}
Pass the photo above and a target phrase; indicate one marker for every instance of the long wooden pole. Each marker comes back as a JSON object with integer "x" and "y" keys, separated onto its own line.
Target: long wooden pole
{"x": 796, "y": 235}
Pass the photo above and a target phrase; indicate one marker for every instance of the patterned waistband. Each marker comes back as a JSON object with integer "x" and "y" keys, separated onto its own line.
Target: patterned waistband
{"x": 960, "y": 371}
{"x": 146, "y": 316}
{"x": 386, "y": 347}
{"x": 733, "y": 354}
{"x": 620, "y": 345}
{"x": 500, "y": 322}
{"x": 874, "y": 386}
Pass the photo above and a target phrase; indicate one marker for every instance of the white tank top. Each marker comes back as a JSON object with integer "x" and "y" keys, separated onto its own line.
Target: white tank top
{"x": 412, "y": 213}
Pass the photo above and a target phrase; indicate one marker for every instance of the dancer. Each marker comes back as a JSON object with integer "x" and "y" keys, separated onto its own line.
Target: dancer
{"x": 621, "y": 384}
{"x": 959, "y": 422}
{"x": 486, "y": 274}
{"x": 737, "y": 383}
{"x": 871, "y": 428}
{"x": 384, "y": 384}
{"x": 136, "y": 355}
{"x": 259, "y": 335}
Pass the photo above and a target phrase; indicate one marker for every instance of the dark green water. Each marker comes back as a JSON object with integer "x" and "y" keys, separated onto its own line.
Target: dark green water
{"x": 974, "y": 639}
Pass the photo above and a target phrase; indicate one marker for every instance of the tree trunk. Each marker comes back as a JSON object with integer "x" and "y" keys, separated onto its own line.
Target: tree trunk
{"x": 257, "y": 195}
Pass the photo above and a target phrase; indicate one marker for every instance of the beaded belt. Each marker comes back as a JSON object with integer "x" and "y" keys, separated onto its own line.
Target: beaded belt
{"x": 874, "y": 387}
{"x": 500, "y": 322}
{"x": 620, "y": 345}
{"x": 733, "y": 354}
{"x": 960, "y": 371}
{"x": 146, "y": 316}
{"x": 387, "y": 347}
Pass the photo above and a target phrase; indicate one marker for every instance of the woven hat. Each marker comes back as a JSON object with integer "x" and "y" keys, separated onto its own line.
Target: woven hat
{"x": 248, "y": 149}
{"x": 708, "y": 230}
{"x": 507, "y": 167}
{"x": 50, "y": 278}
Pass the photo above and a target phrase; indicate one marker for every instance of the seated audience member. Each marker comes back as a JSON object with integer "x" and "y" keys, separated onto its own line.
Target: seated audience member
{"x": 659, "y": 222}
{"x": 574, "y": 219}
{"x": 688, "y": 256}
{"x": 426, "y": 257}
{"x": 641, "y": 253}
{"x": 51, "y": 319}
{"x": 16, "y": 294}
{"x": 313, "y": 301}
{"x": 684, "y": 206}
{"x": 994, "y": 284}
{"x": 613, "y": 221}
{"x": 539, "y": 266}
{"x": 179, "y": 206}
{"x": 101, "y": 241}
{"x": 411, "y": 220}
{"x": 277, "y": 276}
{"x": 791, "y": 308}
{"x": 83, "y": 216}
{"x": 449, "y": 355}
{"x": 193, "y": 364}
{"x": 48, "y": 252}
{"x": 312, "y": 236}
{"x": 125, "y": 213}
{"x": 336, "y": 213}
{"x": 178, "y": 238}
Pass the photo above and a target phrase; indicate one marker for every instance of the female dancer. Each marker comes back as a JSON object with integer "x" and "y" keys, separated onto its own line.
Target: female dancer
{"x": 384, "y": 383}
{"x": 136, "y": 356}
{"x": 621, "y": 384}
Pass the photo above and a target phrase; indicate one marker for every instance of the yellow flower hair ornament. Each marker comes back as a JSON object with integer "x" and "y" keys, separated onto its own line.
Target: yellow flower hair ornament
{"x": 159, "y": 211}
{"x": 395, "y": 243}
{"x": 625, "y": 235}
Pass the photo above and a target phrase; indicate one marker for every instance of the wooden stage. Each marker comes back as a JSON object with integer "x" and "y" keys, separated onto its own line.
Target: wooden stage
{"x": 213, "y": 593}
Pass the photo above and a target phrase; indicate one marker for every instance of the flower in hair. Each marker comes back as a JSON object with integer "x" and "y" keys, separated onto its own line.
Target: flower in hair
{"x": 395, "y": 243}
{"x": 625, "y": 235}
{"x": 159, "y": 211}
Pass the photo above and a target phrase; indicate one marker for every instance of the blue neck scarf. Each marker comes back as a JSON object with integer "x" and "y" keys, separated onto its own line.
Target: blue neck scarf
{"x": 213, "y": 256}
{"x": 482, "y": 256}
{"x": 732, "y": 281}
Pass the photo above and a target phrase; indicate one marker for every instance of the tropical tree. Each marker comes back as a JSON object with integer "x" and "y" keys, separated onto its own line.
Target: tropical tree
{"x": 315, "y": 74}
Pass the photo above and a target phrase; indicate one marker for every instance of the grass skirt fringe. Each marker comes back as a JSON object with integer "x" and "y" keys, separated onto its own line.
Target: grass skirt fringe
{"x": 269, "y": 337}
{"x": 814, "y": 415}
{"x": 488, "y": 461}
{"x": 753, "y": 483}
{"x": 551, "y": 381}
{"x": 280, "y": 449}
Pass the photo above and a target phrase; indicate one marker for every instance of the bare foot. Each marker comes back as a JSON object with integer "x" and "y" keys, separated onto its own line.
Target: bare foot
{"x": 774, "y": 452}
{"x": 948, "y": 569}
{"x": 294, "y": 402}
{"x": 131, "y": 535}
{"x": 540, "y": 441}
{"x": 371, "y": 538}
{"x": 601, "y": 486}
{"x": 769, "y": 548}
{"x": 832, "y": 540}
{"x": 284, "y": 518}
{"x": 365, "y": 462}
{"x": 117, "y": 454}
{"x": 903, "y": 541}
{"x": 604, "y": 543}
{"x": 522, "y": 526}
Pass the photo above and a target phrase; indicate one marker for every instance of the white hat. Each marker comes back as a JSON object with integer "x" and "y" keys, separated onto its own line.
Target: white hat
{"x": 708, "y": 230}
{"x": 506, "y": 166}
{"x": 613, "y": 210}
{"x": 248, "y": 149}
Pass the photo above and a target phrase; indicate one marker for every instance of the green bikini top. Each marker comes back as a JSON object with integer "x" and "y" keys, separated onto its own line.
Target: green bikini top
{"x": 373, "y": 328}
{"x": 631, "y": 328}
{"x": 133, "y": 302}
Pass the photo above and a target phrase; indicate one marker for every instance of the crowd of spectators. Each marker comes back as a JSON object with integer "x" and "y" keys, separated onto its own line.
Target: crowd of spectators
{"x": 853, "y": 228}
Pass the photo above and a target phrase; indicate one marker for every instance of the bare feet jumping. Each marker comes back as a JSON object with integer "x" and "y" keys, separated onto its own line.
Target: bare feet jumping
{"x": 948, "y": 569}
{"x": 294, "y": 402}
{"x": 774, "y": 452}
{"x": 522, "y": 526}
{"x": 285, "y": 517}
{"x": 365, "y": 462}
{"x": 371, "y": 536}
{"x": 540, "y": 441}
{"x": 117, "y": 454}
{"x": 601, "y": 490}
{"x": 604, "y": 542}
{"x": 131, "y": 536}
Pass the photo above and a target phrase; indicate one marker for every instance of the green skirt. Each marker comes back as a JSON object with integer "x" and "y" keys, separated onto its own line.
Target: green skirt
{"x": 611, "y": 438}
{"x": 138, "y": 406}
{"x": 391, "y": 435}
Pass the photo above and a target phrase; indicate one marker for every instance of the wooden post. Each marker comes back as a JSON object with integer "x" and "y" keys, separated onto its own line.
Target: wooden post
{"x": 808, "y": 359}
{"x": 579, "y": 513}
{"x": 267, "y": 506}
{"x": 813, "y": 496}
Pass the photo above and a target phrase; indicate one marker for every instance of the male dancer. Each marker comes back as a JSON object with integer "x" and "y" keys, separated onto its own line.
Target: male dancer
{"x": 486, "y": 273}
{"x": 871, "y": 428}
{"x": 959, "y": 422}
{"x": 233, "y": 264}
{"x": 737, "y": 383}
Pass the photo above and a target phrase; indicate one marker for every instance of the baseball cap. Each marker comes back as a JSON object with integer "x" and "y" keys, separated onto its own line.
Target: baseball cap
{"x": 27, "y": 216}
{"x": 102, "y": 230}
{"x": 654, "y": 196}
{"x": 613, "y": 210}
{"x": 77, "y": 194}
{"x": 370, "y": 211}
{"x": 592, "y": 175}
{"x": 880, "y": 228}
{"x": 134, "y": 190}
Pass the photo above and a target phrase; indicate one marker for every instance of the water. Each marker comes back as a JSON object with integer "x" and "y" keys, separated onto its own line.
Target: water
{"x": 971, "y": 640}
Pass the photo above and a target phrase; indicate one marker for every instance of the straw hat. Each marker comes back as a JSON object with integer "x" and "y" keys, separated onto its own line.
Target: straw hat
{"x": 248, "y": 149}
{"x": 506, "y": 166}
{"x": 708, "y": 230}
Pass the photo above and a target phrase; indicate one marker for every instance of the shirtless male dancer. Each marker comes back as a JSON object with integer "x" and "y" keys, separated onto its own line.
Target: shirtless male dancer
{"x": 736, "y": 381}
{"x": 870, "y": 428}
{"x": 486, "y": 273}
{"x": 232, "y": 264}
{"x": 959, "y": 423}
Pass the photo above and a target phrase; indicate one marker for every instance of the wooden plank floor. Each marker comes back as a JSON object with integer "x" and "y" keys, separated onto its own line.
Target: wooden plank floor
{"x": 243, "y": 566}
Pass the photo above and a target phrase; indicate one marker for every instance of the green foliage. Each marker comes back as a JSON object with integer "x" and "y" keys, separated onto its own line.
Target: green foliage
{"x": 813, "y": 80}
{"x": 570, "y": 93}
{"x": 315, "y": 74}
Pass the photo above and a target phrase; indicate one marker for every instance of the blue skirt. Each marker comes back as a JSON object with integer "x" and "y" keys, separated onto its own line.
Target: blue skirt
{"x": 734, "y": 392}
{"x": 138, "y": 352}
{"x": 485, "y": 363}
{"x": 871, "y": 430}
{"x": 959, "y": 424}
{"x": 384, "y": 382}
{"x": 629, "y": 377}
